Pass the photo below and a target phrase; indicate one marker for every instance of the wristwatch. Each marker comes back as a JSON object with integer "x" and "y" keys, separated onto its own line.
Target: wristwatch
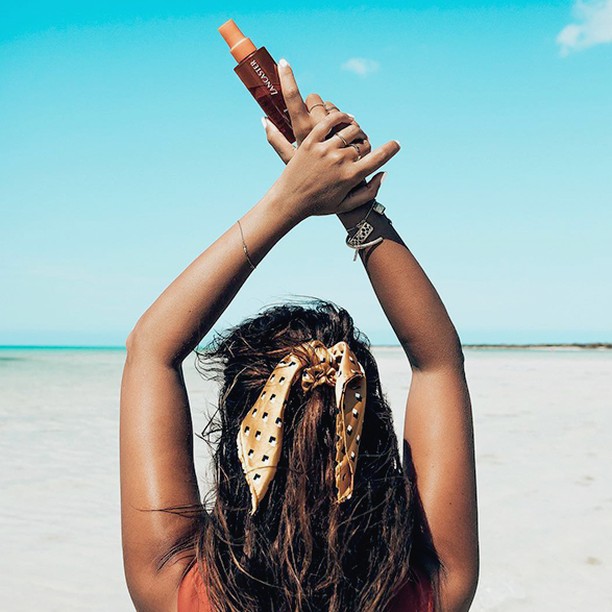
{"x": 360, "y": 239}
{"x": 371, "y": 230}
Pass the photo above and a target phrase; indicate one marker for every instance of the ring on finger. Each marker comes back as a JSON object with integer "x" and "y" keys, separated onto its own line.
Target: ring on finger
{"x": 317, "y": 104}
{"x": 346, "y": 144}
{"x": 356, "y": 147}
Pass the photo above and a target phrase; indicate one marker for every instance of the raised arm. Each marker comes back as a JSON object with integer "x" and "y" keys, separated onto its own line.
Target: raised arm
{"x": 156, "y": 456}
{"x": 156, "y": 451}
{"x": 438, "y": 419}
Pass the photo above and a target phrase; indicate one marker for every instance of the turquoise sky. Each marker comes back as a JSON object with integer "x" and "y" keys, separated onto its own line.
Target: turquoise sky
{"x": 128, "y": 144}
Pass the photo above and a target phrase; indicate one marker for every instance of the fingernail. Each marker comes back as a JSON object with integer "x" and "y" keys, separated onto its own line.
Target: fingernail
{"x": 351, "y": 116}
{"x": 398, "y": 144}
{"x": 384, "y": 176}
{"x": 264, "y": 122}
{"x": 283, "y": 62}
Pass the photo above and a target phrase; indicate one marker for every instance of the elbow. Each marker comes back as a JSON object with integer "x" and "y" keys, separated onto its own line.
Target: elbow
{"x": 133, "y": 345}
{"x": 130, "y": 342}
{"x": 133, "y": 341}
{"x": 145, "y": 342}
{"x": 458, "y": 588}
{"x": 138, "y": 340}
{"x": 453, "y": 353}
{"x": 446, "y": 355}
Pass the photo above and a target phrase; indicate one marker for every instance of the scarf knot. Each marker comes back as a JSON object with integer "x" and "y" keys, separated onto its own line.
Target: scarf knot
{"x": 260, "y": 438}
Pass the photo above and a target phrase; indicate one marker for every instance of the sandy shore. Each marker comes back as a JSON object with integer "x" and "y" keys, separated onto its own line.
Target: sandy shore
{"x": 543, "y": 424}
{"x": 544, "y": 459}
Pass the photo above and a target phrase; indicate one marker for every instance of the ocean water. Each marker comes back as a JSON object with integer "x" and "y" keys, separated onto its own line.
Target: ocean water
{"x": 543, "y": 423}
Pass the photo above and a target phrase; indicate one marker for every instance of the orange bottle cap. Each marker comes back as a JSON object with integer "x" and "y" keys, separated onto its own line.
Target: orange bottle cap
{"x": 240, "y": 46}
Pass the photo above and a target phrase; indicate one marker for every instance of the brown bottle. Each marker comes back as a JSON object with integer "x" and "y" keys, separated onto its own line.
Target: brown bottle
{"x": 258, "y": 71}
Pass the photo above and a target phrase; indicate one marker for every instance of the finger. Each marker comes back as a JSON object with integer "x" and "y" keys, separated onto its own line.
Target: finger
{"x": 316, "y": 107}
{"x": 364, "y": 146}
{"x": 355, "y": 151}
{"x": 322, "y": 129}
{"x": 279, "y": 143}
{"x": 361, "y": 147}
{"x": 330, "y": 106}
{"x": 361, "y": 195}
{"x": 298, "y": 113}
{"x": 350, "y": 133}
{"x": 377, "y": 158}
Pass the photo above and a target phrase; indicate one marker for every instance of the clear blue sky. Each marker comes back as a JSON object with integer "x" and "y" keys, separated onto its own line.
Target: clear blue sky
{"x": 128, "y": 144}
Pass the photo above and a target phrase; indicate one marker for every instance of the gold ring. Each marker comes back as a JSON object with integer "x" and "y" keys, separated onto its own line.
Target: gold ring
{"x": 356, "y": 147}
{"x": 342, "y": 139}
{"x": 317, "y": 104}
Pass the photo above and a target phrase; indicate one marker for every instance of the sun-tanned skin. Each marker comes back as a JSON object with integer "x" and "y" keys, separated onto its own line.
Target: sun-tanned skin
{"x": 156, "y": 439}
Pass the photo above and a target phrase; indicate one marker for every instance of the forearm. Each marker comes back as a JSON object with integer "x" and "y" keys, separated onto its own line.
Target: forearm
{"x": 438, "y": 419}
{"x": 410, "y": 301}
{"x": 192, "y": 303}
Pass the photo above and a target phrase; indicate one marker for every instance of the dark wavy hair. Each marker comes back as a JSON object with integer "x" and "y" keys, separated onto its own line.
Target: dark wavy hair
{"x": 301, "y": 550}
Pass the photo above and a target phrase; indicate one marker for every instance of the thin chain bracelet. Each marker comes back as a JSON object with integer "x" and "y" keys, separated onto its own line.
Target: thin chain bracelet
{"x": 244, "y": 246}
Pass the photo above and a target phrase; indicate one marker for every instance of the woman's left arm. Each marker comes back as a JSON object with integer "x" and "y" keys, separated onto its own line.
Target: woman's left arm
{"x": 156, "y": 446}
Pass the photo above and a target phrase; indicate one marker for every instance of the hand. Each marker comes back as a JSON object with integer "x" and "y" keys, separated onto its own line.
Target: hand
{"x": 303, "y": 115}
{"x": 304, "y": 120}
{"x": 322, "y": 171}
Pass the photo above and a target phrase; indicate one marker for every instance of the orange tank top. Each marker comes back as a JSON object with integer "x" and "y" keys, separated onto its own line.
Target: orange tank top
{"x": 192, "y": 597}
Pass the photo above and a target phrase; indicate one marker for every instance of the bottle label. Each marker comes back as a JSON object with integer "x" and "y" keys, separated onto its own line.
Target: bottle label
{"x": 259, "y": 71}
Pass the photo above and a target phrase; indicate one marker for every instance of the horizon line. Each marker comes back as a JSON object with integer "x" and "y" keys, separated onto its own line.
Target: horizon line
{"x": 478, "y": 345}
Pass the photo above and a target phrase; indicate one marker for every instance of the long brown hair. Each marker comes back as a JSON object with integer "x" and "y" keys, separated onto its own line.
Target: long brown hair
{"x": 301, "y": 550}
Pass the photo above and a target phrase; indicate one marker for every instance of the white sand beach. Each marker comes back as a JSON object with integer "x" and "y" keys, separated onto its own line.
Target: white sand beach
{"x": 543, "y": 423}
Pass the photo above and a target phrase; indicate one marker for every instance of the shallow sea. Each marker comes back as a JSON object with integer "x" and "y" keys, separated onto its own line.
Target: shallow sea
{"x": 543, "y": 422}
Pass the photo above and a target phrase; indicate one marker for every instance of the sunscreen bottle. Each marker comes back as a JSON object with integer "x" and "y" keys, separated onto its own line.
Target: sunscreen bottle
{"x": 258, "y": 71}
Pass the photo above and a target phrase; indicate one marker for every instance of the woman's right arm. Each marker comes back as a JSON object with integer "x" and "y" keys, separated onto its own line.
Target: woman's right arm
{"x": 438, "y": 418}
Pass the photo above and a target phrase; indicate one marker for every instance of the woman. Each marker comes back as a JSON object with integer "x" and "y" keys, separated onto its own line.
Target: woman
{"x": 312, "y": 508}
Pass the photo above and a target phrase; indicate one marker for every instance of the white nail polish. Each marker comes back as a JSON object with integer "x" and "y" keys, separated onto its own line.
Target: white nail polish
{"x": 398, "y": 143}
{"x": 383, "y": 177}
{"x": 264, "y": 122}
{"x": 351, "y": 116}
{"x": 283, "y": 62}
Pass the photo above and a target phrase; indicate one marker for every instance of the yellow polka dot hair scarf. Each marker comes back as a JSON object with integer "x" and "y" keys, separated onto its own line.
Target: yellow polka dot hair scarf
{"x": 261, "y": 432}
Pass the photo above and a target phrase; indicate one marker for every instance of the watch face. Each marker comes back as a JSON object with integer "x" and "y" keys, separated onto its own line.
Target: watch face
{"x": 378, "y": 207}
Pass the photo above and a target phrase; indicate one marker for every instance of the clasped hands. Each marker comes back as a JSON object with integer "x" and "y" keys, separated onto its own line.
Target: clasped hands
{"x": 323, "y": 175}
